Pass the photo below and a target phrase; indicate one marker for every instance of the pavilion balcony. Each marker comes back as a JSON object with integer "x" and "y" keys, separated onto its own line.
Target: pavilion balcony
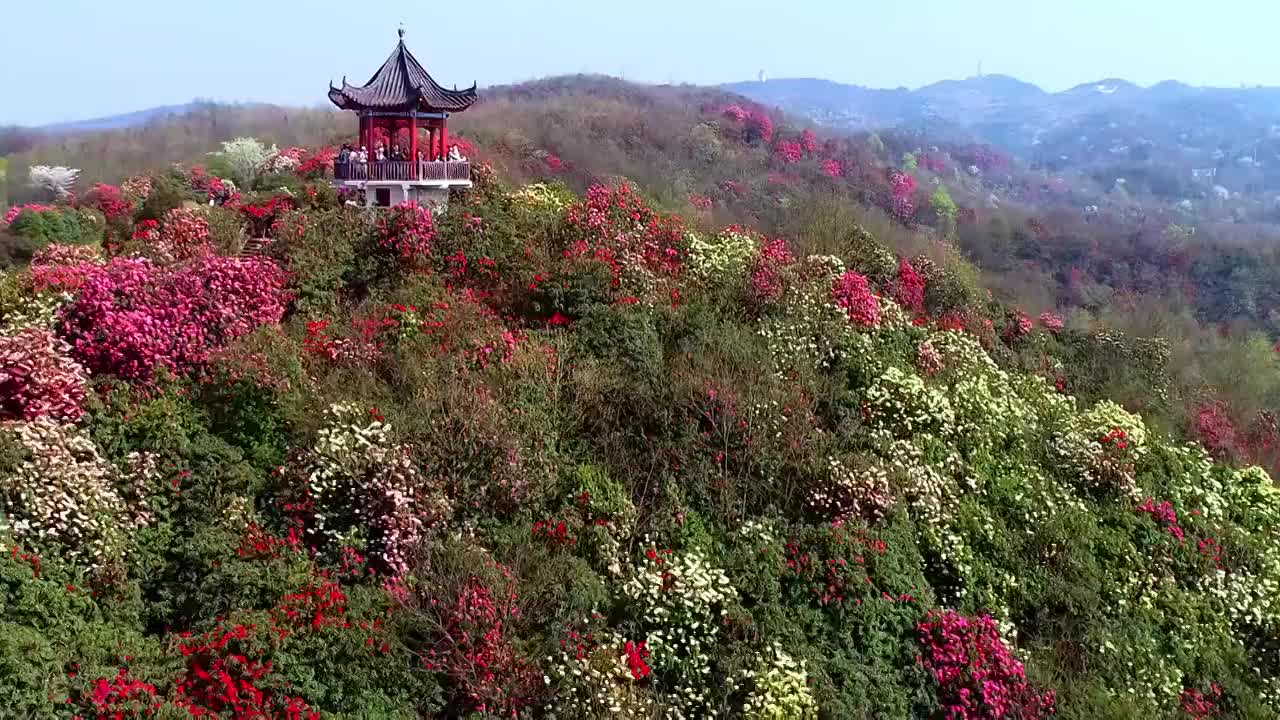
{"x": 427, "y": 171}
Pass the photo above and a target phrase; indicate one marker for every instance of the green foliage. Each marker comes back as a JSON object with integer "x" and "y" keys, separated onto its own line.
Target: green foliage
{"x": 63, "y": 226}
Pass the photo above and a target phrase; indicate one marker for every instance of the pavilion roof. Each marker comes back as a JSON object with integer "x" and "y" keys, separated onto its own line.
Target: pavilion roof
{"x": 401, "y": 85}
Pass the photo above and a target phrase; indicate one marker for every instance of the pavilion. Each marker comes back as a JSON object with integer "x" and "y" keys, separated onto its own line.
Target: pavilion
{"x": 398, "y": 102}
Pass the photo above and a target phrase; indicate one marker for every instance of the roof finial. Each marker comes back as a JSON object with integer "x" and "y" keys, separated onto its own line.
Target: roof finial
{"x": 401, "y": 31}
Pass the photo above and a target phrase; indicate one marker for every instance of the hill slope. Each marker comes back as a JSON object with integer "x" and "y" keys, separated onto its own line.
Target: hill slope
{"x": 555, "y": 454}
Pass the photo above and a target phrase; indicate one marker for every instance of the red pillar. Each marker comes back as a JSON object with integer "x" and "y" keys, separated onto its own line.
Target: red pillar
{"x": 413, "y": 146}
{"x": 444, "y": 139}
{"x": 431, "y": 143}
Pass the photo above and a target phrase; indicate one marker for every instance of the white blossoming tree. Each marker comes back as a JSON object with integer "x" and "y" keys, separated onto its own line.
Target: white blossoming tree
{"x": 244, "y": 158}
{"x": 57, "y": 180}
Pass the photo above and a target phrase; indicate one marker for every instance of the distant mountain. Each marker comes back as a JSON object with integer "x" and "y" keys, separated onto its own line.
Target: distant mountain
{"x": 1092, "y": 126}
{"x": 116, "y": 122}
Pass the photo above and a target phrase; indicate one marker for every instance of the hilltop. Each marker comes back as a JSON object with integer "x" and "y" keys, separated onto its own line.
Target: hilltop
{"x": 572, "y": 454}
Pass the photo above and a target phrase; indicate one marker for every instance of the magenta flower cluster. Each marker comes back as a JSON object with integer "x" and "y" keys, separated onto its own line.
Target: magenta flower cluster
{"x": 978, "y": 678}
{"x": 133, "y": 317}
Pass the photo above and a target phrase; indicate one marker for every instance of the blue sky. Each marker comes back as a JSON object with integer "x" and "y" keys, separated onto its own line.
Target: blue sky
{"x": 84, "y": 58}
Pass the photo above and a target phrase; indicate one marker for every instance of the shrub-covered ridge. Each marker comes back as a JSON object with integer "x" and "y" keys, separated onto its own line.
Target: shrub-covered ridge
{"x": 543, "y": 455}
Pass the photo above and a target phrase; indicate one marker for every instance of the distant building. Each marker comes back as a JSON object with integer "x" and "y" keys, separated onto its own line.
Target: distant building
{"x": 761, "y": 76}
{"x": 1204, "y": 174}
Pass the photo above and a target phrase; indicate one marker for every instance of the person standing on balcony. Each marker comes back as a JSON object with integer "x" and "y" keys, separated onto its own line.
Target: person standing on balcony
{"x": 455, "y": 155}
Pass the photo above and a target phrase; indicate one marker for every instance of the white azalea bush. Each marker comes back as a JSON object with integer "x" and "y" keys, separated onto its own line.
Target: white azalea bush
{"x": 721, "y": 258}
{"x": 360, "y": 480}
{"x": 1102, "y": 446}
{"x": 245, "y": 157}
{"x": 61, "y": 494}
{"x": 780, "y": 689}
{"x": 681, "y": 598}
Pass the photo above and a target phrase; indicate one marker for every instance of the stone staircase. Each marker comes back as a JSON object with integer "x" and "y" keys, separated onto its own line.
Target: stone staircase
{"x": 255, "y": 247}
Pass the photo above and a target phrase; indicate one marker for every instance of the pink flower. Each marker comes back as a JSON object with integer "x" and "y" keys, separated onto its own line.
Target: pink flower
{"x": 39, "y": 378}
{"x": 832, "y": 168}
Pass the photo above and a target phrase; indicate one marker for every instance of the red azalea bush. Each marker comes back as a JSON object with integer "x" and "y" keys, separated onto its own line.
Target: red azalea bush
{"x": 758, "y": 126}
{"x": 616, "y": 227}
{"x": 109, "y": 200}
{"x": 832, "y": 168}
{"x": 908, "y": 290}
{"x": 474, "y": 649}
{"x": 978, "y": 678}
{"x": 1213, "y": 427}
{"x": 183, "y": 235}
{"x": 1052, "y": 322}
{"x": 553, "y": 162}
{"x": 852, "y": 293}
{"x": 132, "y": 317}
{"x": 903, "y": 188}
{"x": 808, "y": 141}
{"x": 788, "y": 151}
{"x": 317, "y": 163}
{"x": 262, "y": 216}
{"x": 39, "y": 378}
{"x": 766, "y": 279}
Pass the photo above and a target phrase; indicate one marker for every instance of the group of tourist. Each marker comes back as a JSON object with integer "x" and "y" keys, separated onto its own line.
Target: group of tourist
{"x": 350, "y": 154}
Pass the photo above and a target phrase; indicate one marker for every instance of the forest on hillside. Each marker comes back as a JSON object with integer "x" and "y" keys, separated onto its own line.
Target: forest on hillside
{"x": 700, "y": 413}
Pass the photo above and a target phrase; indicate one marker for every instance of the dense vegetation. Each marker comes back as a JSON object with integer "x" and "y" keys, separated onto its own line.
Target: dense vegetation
{"x": 556, "y": 455}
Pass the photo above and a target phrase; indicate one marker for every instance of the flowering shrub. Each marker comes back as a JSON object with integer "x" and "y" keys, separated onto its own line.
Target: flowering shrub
{"x": 845, "y": 494}
{"x": 136, "y": 189}
{"x": 598, "y": 674}
{"x": 780, "y": 690}
{"x": 475, "y": 650}
{"x": 1163, "y": 515}
{"x": 406, "y": 233}
{"x": 832, "y": 168}
{"x": 182, "y": 236}
{"x": 52, "y": 256}
{"x": 681, "y": 598}
{"x": 1051, "y": 322}
{"x": 1103, "y": 445}
{"x": 245, "y": 157}
{"x": 109, "y": 200}
{"x": 132, "y": 317}
{"x": 767, "y": 277}
{"x": 1212, "y": 426}
{"x": 788, "y": 151}
{"x": 908, "y": 290}
{"x": 903, "y": 189}
{"x": 64, "y": 496}
{"x": 976, "y": 674}
{"x": 758, "y": 126}
{"x": 358, "y": 478}
{"x": 808, "y": 141}
{"x": 852, "y": 293}
{"x": 722, "y": 258}
{"x": 13, "y": 212}
{"x": 617, "y": 229}
{"x": 38, "y": 378}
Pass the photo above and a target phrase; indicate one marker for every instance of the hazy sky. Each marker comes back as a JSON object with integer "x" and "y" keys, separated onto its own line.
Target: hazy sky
{"x": 75, "y": 59}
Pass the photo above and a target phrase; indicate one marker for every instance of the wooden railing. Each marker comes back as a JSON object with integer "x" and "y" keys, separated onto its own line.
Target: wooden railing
{"x": 403, "y": 170}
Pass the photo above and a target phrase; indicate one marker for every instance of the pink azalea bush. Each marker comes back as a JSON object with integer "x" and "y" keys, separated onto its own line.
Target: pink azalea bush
{"x": 832, "y": 168}
{"x": 903, "y": 188}
{"x": 1051, "y": 321}
{"x": 407, "y": 232}
{"x": 183, "y": 235}
{"x": 132, "y": 317}
{"x": 852, "y": 293}
{"x": 766, "y": 279}
{"x": 808, "y": 142}
{"x": 38, "y": 378}
{"x": 55, "y": 255}
{"x": 978, "y": 677}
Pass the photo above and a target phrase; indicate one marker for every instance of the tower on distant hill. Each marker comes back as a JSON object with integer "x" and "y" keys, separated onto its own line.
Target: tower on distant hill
{"x": 761, "y": 76}
{"x": 402, "y": 98}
